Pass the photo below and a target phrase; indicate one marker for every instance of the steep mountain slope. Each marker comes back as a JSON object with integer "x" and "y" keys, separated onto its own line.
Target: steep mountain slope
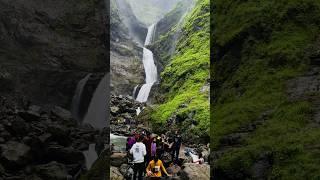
{"x": 264, "y": 123}
{"x": 167, "y": 32}
{"x": 184, "y": 99}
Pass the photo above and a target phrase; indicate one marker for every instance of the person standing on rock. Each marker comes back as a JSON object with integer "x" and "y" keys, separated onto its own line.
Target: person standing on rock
{"x": 153, "y": 147}
{"x": 147, "y": 141}
{"x": 138, "y": 151}
{"x": 177, "y": 140}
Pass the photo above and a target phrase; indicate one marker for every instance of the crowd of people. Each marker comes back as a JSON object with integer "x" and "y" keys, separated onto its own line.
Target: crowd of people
{"x": 147, "y": 152}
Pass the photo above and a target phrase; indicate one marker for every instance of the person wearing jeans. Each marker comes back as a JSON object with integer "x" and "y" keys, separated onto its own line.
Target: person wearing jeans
{"x": 138, "y": 151}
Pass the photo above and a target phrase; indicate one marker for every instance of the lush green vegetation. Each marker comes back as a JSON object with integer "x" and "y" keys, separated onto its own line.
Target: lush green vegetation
{"x": 259, "y": 46}
{"x": 167, "y": 32}
{"x": 184, "y": 81}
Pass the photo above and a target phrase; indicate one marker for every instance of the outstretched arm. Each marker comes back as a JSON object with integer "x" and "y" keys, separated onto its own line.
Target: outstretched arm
{"x": 164, "y": 169}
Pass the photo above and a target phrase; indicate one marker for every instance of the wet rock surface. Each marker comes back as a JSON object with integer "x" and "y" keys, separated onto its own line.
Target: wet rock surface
{"x": 47, "y": 147}
{"x": 124, "y": 114}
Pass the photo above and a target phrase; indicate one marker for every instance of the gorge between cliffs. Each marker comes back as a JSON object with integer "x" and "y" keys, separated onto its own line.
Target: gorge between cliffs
{"x": 160, "y": 77}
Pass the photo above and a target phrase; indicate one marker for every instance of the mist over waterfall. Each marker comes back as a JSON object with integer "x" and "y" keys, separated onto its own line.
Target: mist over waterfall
{"x": 149, "y": 68}
{"x": 97, "y": 114}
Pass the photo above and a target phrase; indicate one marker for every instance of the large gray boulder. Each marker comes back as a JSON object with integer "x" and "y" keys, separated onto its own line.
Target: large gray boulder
{"x": 61, "y": 113}
{"x": 66, "y": 155}
{"x": 15, "y": 154}
{"x": 52, "y": 171}
{"x": 195, "y": 171}
{"x": 117, "y": 159}
{"x": 115, "y": 174}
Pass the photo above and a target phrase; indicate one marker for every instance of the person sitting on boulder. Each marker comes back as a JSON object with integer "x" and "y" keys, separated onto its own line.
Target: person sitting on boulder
{"x": 156, "y": 168}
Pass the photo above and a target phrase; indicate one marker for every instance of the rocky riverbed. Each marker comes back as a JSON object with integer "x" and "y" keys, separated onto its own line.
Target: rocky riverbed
{"x": 43, "y": 142}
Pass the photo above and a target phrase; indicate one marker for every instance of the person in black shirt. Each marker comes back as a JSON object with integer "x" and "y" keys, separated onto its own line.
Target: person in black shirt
{"x": 177, "y": 140}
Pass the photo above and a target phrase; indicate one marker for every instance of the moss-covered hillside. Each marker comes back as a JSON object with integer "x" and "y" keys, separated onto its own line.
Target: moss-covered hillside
{"x": 167, "y": 32}
{"x": 184, "y": 81}
{"x": 259, "y": 130}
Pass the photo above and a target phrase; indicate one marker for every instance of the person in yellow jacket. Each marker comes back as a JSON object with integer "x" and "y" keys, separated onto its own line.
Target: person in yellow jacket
{"x": 156, "y": 168}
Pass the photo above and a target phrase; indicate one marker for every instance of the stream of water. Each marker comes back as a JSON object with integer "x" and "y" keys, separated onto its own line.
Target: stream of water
{"x": 119, "y": 142}
{"x": 149, "y": 68}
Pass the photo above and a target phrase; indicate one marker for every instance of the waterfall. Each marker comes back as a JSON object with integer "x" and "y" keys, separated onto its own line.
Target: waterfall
{"x": 77, "y": 99}
{"x": 149, "y": 68}
{"x": 90, "y": 155}
{"x": 134, "y": 91}
{"x": 97, "y": 111}
{"x": 138, "y": 111}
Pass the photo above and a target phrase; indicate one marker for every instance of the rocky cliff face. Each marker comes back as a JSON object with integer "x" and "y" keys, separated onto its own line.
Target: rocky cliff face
{"x": 47, "y": 46}
{"x": 127, "y": 37}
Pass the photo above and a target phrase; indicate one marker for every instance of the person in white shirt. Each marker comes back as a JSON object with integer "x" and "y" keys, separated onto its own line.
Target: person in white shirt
{"x": 138, "y": 151}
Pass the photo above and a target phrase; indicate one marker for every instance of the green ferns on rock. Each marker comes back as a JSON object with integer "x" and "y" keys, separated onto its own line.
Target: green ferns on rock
{"x": 184, "y": 80}
{"x": 257, "y": 130}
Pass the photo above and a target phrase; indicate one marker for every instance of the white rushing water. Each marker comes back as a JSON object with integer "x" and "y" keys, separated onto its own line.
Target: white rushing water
{"x": 90, "y": 155}
{"x": 119, "y": 142}
{"x": 75, "y": 109}
{"x": 149, "y": 68}
{"x": 97, "y": 111}
{"x": 134, "y": 91}
{"x": 138, "y": 111}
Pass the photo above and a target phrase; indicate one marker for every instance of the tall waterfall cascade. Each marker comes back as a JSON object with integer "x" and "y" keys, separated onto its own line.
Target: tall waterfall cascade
{"x": 149, "y": 68}
{"x": 97, "y": 111}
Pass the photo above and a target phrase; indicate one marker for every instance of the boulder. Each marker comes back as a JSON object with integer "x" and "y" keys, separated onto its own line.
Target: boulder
{"x": 29, "y": 115}
{"x": 114, "y": 110}
{"x": 115, "y": 174}
{"x": 52, "y": 171}
{"x": 62, "y": 114}
{"x": 195, "y": 171}
{"x": 126, "y": 171}
{"x": 73, "y": 169}
{"x": 66, "y": 155}
{"x": 174, "y": 170}
{"x": 60, "y": 134}
{"x": 18, "y": 127}
{"x": 117, "y": 159}
{"x": 15, "y": 154}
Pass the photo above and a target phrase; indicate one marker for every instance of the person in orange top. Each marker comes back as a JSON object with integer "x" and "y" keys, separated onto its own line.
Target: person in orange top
{"x": 155, "y": 168}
